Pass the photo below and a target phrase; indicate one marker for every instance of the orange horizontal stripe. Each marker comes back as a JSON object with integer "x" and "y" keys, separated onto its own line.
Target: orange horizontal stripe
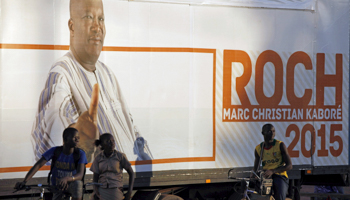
{"x": 34, "y": 46}
{"x": 172, "y": 160}
{"x": 158, "y": 49}
{"x": 21, "y": 169}
{"x": 141, "y": 162}
{"x": 107, "y": 48}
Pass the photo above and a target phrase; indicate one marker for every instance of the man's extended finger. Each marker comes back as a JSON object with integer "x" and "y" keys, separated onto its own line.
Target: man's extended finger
{"x": 94, "y": 102}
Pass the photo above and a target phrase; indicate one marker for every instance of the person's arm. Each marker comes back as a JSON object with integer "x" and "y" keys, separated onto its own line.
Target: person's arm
{"x": 77, "y": 176}
{"x": 96, "y": 175}
{"x": 87, "y": 125}
{"x": 95, "y": 180}
{"x": 56, "y": 96}
{"x": 286, "y": 158}
{"x": 31, "y": 173}
{"x": 147, "y": 155}
{"x": 49, "y": 120}
{"x": 285, "y": 155}
{"x": 256, "y": 163}
{"x": 131, "y": 182}
{"x": 63, "y": 182}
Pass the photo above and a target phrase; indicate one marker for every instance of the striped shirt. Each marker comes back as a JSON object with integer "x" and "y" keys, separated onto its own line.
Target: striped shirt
{"x": 67, "y": 94}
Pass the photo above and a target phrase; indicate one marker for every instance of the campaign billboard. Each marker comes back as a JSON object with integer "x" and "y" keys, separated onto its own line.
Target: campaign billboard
{"x": 198, "y": 79}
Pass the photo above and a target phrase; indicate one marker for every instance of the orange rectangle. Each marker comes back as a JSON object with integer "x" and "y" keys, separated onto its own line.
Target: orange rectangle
{"x": 129, "y": 49}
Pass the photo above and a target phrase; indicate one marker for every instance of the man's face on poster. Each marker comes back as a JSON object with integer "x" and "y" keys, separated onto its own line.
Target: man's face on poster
{"x": 87, "y": 29}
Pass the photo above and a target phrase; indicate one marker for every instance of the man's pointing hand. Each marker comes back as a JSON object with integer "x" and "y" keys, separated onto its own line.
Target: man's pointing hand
{"x": 87, "y": 125}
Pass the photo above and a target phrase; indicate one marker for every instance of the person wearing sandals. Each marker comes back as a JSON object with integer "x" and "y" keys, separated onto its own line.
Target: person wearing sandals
{"x": 107, "y": 169}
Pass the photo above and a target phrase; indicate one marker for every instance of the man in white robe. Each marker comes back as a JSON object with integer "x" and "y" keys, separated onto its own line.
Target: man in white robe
{"x": 69, "y": 88}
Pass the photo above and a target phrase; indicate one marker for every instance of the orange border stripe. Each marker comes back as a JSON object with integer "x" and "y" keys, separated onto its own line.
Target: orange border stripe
{"x": 21, "y": 169}
{"x": 34, "y": 46}
{"x": 141, "y": 162}
{"x": 108, "y": 48}
{"x": 128, "y": 49}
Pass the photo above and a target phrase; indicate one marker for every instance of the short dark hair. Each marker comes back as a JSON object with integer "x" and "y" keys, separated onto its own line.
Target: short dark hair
{"x": 102, "y": 137}
{"x": 67, "y": 132}
{"x": 266, "y": 128}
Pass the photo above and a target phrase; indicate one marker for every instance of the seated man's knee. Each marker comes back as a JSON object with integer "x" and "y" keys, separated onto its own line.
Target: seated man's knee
{"x": 76, "y": 189}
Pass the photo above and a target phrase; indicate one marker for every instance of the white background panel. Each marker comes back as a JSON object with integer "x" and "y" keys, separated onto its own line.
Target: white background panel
{"x": 171, "y": 94}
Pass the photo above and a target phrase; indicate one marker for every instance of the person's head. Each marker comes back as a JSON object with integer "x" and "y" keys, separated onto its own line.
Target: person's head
{"x": 140, "y": 142}
{"x": 87, "y": 30}
{"x": 71, "y": 137}
{"x": 268, "y": 132}
{"x": 106, "y": 141}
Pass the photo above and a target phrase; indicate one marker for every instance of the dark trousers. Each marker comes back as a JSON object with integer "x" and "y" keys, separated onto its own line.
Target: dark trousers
{"x": 280, "y": 187}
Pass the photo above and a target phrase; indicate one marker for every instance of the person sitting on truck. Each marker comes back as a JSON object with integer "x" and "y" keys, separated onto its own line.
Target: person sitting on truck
{"x": 275, "y": 161}
{"x": 108, "y": 170}
{"x": 66, "y": 176}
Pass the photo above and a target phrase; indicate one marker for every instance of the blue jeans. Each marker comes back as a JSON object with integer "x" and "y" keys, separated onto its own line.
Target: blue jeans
{"x": 280, "y": 187}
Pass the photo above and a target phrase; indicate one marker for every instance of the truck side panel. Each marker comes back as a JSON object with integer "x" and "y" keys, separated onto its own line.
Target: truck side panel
{"x": 200, "y": 81}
